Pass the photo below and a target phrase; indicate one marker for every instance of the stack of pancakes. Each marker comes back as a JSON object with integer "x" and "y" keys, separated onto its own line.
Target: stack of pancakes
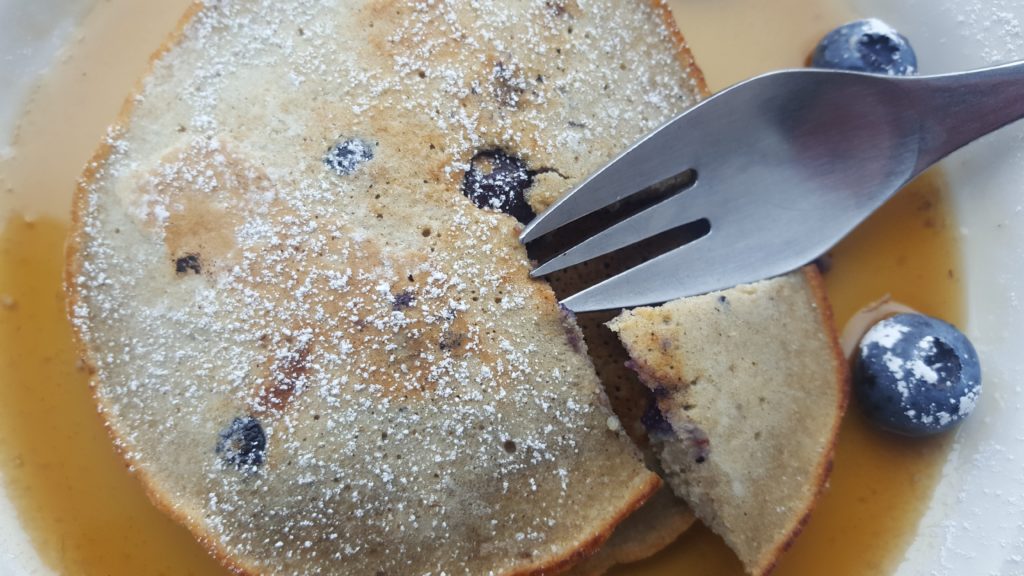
{"x": 296, "y": 277}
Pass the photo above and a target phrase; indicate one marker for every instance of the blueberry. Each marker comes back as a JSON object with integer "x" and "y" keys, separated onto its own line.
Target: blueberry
{"x": 499, "y": 181}
{"x": 916, "y": 375}
{"x": 866, "y": 46}
{"x": 403, "y": 300}
{"x": 188, "y": 263}
{"x": 346, "y": 155}
{"x": 243, "y": 444}
{"x": 658, "y": 427}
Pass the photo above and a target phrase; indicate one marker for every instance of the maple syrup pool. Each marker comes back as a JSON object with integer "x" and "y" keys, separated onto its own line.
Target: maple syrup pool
{"x": 85, "y": 513}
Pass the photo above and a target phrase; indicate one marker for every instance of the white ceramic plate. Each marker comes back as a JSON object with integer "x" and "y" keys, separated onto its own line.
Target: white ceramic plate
{"x": 975, "y": 524}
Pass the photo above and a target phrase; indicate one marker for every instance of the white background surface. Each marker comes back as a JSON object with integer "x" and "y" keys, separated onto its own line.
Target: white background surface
{"x": 975, "y": 525}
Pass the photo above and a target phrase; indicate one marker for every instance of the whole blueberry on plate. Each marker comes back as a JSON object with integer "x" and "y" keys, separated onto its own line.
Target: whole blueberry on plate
{"x": 868, "y": 45}
{"x": 916, "y": 375}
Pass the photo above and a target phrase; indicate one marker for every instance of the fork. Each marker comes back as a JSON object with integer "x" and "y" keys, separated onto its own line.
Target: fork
{"x": 782, "y": 167}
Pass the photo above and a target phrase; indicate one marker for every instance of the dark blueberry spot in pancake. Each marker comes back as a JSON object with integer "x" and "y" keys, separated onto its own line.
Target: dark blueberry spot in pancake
{"x": 188, "y": 263}
{"x": 243, "y": 444}
{"x": 700, "y": 445}
{"x": 403, "y": 300}
{"x": 498, "y": 181}
{"x": 347, "y": 155}
{"x": 451, "y": 340}
{"x": 655, "y": 423}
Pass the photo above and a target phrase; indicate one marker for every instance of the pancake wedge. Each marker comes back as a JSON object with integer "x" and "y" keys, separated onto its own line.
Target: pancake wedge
{"x": 753, "y": 385}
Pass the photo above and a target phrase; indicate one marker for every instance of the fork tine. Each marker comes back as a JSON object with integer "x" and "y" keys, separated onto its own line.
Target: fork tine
{"x": 663, "y": 154}
{"x": 695, "y": 268}
{"x": 687, "y": 207}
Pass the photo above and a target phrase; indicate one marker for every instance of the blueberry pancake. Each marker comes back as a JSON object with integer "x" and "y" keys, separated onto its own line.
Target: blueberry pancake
{"x": 296, "y": 278}
{"x": 751, "y": 385}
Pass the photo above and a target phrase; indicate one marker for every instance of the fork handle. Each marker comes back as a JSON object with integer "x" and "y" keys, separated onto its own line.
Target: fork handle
{"x": 956, "y": 109}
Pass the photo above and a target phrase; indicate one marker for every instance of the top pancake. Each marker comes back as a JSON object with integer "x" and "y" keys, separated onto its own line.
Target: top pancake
{"x": 315, "y": 350}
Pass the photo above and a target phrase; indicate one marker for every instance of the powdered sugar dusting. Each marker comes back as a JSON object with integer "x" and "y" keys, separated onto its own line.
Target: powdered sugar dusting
{"x": 885, "y": 334}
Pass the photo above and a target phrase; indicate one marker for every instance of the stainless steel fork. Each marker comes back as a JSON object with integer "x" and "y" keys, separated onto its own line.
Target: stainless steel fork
{"x": 786, "y": 165}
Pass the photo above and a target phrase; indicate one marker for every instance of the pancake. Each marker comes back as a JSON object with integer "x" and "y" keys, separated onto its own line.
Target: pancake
{"x": 657, "y": 524}
{"x": 752, "y": 385}
{"x": 295, "y": 276}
